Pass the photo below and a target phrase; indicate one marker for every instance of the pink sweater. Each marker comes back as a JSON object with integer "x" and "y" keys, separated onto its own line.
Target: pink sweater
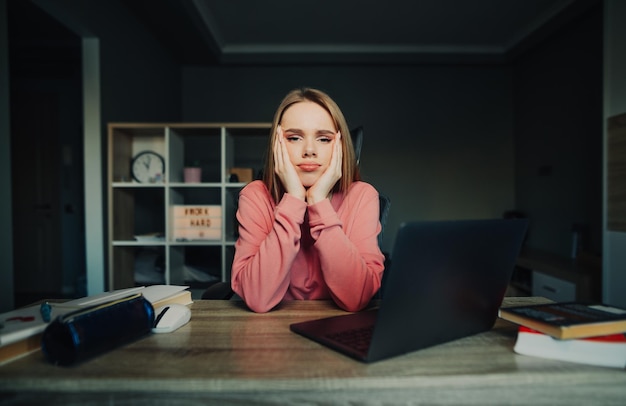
{"x": 294, "y": 251}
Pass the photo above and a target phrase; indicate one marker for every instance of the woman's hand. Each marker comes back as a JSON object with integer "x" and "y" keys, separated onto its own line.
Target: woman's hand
{"x": 322, "y": 188}
{"x": 284, "y": 168}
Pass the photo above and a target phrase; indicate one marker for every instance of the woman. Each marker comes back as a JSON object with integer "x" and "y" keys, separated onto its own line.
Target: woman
{"x": 309, "y": 229}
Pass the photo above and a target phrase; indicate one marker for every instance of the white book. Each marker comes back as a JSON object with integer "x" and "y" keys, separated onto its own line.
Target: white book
{"x": 25, "y": 322}
{"x": 606, "y": 351}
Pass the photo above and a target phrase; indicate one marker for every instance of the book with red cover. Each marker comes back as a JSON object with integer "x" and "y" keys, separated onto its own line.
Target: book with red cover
{"x": 606, "y": 351}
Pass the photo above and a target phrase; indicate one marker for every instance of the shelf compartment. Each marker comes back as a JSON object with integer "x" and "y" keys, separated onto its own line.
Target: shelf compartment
{"x": 128, "y": 141}
{"x": 196, "y": 266}
{"x": 195, "y": 195}
{"x": 138, "y": 265}
{"x": 195, "y": 147}
{"x": 138, "y": 211}
{"x": 208, "y": 197}
{"x": 246, "y": 148}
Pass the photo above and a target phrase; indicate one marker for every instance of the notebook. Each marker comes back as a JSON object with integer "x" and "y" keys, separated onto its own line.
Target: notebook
{"x": 446, "y": 281}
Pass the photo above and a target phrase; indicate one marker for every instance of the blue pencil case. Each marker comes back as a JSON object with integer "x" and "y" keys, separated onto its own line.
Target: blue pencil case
{"x": 86, "y": 333}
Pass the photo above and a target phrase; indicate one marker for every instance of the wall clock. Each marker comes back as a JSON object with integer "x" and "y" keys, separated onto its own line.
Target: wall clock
{"x": 148, "y": 167}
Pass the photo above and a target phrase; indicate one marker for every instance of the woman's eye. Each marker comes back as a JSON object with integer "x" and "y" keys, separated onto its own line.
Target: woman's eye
{"x": 292, "y": 138}
{"x": 324, "y": 139}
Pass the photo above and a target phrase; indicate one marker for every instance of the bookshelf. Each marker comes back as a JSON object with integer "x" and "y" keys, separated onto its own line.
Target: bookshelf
{"x": 142, "y": 248}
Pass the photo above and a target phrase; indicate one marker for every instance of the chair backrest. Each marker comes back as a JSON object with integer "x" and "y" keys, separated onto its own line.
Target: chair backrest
{"x": 357, "y": 141}
{"x": 385, "y": 203}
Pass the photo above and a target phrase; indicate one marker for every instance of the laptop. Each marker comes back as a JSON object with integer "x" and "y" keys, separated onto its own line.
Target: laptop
{"x": 447, "y": 280}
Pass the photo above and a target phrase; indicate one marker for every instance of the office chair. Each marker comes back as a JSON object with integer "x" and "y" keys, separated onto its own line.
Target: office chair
{"x": 357, "y": 141}
{"x": 223, "y": 291}
{"x": 385, "y": 203}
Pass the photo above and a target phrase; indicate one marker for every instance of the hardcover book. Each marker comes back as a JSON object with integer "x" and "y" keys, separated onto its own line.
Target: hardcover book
{"x": 568, "y": 320}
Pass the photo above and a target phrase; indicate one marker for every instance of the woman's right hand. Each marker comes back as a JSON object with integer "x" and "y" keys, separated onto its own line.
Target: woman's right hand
{"x": 284, "y": 168}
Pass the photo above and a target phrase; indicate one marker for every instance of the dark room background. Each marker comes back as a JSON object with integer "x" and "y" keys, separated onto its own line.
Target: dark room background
{"x": 443, "y": 141}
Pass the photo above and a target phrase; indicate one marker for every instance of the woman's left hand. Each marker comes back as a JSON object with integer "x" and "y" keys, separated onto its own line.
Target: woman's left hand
{"x": 322, "y": 188}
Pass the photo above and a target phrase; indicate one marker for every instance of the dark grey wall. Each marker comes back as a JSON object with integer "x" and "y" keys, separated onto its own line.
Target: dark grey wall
{"x": 6, "y": 208}
{"x": 558, "y": 136}
{"x": 457, "y": 141}
{"x": 438, "y": 140}
{"x": 139, "y": 81}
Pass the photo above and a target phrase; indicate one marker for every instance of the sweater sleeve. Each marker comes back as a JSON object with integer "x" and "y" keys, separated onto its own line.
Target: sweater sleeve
{"x": 269, "y": 240}
{"x": 347, "y": 244}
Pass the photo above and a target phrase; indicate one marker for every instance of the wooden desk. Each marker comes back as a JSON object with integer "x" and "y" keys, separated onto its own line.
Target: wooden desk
{"x": 227, "y": 354}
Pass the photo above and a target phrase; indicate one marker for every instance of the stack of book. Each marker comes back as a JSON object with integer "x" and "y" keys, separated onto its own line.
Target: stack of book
{"x": 591, "y": 334}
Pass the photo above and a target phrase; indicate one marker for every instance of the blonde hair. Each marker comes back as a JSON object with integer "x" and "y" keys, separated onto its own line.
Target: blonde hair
{"x": 349, "y": 169}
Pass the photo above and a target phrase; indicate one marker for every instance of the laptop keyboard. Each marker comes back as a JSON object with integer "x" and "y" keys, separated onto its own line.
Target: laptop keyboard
{"x": 358, "y": 339}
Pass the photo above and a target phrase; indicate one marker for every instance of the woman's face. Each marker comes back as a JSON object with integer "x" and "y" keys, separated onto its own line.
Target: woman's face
{"x": 309, "y": 132}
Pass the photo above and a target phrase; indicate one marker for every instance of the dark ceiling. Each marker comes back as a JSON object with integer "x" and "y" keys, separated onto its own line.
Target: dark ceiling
{"x": 351, "y": 31}
{"x": 39, "y": 44}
